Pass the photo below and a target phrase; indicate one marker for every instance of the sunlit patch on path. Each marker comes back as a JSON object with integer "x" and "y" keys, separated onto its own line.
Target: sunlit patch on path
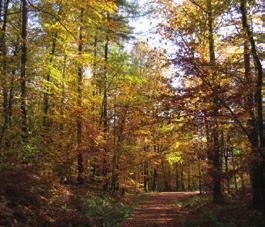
{"x": 158, "y": 210}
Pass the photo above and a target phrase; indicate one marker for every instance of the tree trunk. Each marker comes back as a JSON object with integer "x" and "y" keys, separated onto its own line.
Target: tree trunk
{"x": 154, "y": 185}
{"x": 46, "y": 105}
{"x": 227, "y": 171}
{"x": 165, "y": 176}
{"x": 1, "y": 7}
{"x": 23, "y": 79}
{"x": 257, "y": 175}
{"x": 242, "y": 183}
{"x": 200, "y": 177}
{"x": 234, "y": 171}
{"x": 63, "y": 92}
{"x": 252, "y": 124}
{"x": 95, "y": 91}
{"x": 11, "y": 90}
{"x": 4, "y": 70}
{"x": 105, "y": 113}
{"x": 217, "y": 192}
{"x": 177, "y": 177}
{"x": 169, "y": 178}
{"x": 80, "y": 160}
{"x": 189, "y": 180}
{"x": 95, "y": 58}
{"x": 258, "y": 67}
{"x": 105, "y": 118}
{"x": 146, "y": 177}
{"x": 182, "y": 183}
{"x": 117, "y": 135}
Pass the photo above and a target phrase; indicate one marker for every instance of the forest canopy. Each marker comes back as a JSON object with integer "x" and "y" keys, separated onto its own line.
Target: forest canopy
{"x": 89, "y": 107}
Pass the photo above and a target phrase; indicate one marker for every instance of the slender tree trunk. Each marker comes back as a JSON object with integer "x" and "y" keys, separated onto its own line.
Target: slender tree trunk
{"x": 116, "y": 142}
{"x": 164, "y": 176}
{"x": 65, "y": 147}
{"x": 242, "y": 182}
{"x": 1, "y": 7}
{"x": 227, "y": 171}
{"x": 258, "y": 168}
{"x": 146, "y": 175}
{"x": 95, "y": 56}
{"x": 217, "y": 192}
{"x": 252, "y": 124}
{"x": 177, "y": 177}
{"x": 182, "y": 183}
{"x": 189, "y": 180}
{"x": 94, "y": 92}
{"x": 46, "y": 105}
{"x": 11, "y": 98}
{"x": 105, "y": 113}
{"x": 63, "y": 93}
{"x": 234, "y": 171}
{"x": 13, "y": 75}
{"x": 4, "y": 70}
{"x": 117, "y": 151}
{"x": 154, "y": 182}
{"x": 114, "y": 158}
{"x": 154, "y": 185}
{"x": 80, "y": 161}
{"x": 23, "y": 79}
{"x": 169, "y": 178}
{"x": 200, "y": 177}
{"x": 258, "y": 67}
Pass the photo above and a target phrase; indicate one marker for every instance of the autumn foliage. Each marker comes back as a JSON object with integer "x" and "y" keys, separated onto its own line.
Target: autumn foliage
{"x": 87, "y": 108}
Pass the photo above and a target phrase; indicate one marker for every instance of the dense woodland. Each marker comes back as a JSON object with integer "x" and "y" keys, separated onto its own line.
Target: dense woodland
{"x": 88, "y": 109}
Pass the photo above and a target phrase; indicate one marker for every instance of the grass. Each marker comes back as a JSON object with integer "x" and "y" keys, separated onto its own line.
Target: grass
{"x": 192, "y": 202}
{"x": 109, "y": 212}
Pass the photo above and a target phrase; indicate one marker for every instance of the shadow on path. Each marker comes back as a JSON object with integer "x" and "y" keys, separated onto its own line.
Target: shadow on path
{"x": 159, "y": 210}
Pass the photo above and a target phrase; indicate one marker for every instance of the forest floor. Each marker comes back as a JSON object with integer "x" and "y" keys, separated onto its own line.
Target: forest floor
{"x": 159, "y": 210}
{"x": 189, "y": 209}
{"x": 28, "y": 199}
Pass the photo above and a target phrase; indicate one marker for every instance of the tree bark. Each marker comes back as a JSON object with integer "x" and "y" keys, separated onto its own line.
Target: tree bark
{"x": 146, "y": 175}
{"x": 63, "y": 92}
{"x": 105, "y": 111}
{"x": 80, "y": 160}
{"x": 95, "y": 57}
{"x": 23, "y": 79}
{"x": 227, "y": 170}
{"x": 169, "y": 178}
{"x": 258, "y": 168}
{"x": 4, "y": 69}
{"x": 46, "y": 106}
{"x": 182, "y": 183}
{"x": 13, "y": 77}
{"x": 217, "y": 192}
{"x": 177, "y": 177}
{"x": 154, "y": 185}
{"x": 166, "y": 185}
{"x": 258, "y": 66}
{"x": 200, "y": 177}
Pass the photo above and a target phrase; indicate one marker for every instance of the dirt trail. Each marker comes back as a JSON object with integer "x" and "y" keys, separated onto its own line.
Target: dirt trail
{"x": 158, "y": 211}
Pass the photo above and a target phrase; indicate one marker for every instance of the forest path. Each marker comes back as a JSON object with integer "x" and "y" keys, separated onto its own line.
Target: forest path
{"x": 159, "y": 210}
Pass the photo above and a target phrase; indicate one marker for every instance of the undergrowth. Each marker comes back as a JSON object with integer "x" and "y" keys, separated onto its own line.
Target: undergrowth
{"x": 108, "y": 211}
{"x": 231, "y": 214}
{"x": 192, "y": 202}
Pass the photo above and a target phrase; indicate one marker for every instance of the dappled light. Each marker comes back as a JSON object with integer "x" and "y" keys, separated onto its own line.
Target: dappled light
{"x": 132, "y": 113}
